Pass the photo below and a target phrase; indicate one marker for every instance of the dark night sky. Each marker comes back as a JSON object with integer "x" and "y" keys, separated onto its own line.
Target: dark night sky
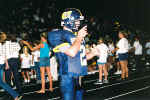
{"x": 132, "y": 12}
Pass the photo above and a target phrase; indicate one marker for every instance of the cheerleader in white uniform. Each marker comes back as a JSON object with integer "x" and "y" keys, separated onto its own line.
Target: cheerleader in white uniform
{"x": 25, "y": 64}
{"x": 102, "y": 50}
{"x": 122, "y": 49}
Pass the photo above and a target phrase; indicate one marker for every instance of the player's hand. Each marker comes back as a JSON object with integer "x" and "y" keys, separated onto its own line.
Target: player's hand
{"x": 82, "y": 32}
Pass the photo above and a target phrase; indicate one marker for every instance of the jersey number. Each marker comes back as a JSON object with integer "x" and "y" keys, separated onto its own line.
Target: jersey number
{"x": 83, "y": 56}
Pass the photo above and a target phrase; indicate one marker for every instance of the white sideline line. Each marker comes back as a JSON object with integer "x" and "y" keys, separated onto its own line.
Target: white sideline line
{"x": 100, "y": 87}
{"x": 127, "y": 93}
{"x": 117, "y": 84}
{"x": 117, "y": 95}
{"x": 97, "y": 79}
{"x": 36, "y": 91}
{"x": 103, "y": 87}
{"x": 54, "y": 98}
{"x": 58, "y": 87}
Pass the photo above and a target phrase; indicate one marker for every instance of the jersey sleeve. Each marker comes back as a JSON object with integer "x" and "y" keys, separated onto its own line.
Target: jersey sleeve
{"x": 60, "y": 40}
{"x": 64, "y": 48}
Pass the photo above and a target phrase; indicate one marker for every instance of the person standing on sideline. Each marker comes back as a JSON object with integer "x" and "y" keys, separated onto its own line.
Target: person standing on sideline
{"x": 102, "y": 61}
{"x": 44, "y": 60}
{"x": 25, "y": 59}
{"x": 122, "y": 49}
{"x": 4, "y": 65}
{"x": 36, "y": 55}
{"x": 13, "y": 48}
{"x": 137, "y": 53}
{"x": 147, "y": 47}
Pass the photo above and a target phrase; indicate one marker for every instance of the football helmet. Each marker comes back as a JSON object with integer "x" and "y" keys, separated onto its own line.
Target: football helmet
{"x": 70, "y": 16}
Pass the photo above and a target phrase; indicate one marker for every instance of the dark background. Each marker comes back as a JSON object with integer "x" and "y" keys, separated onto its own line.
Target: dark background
{"x": 131, "y": 12}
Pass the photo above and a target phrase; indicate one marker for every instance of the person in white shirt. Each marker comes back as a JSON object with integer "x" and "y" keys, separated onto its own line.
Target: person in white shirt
{"x": 110, "y": 55}
{"x": 54, "y": 65}
{"x": 122, "y": 49}
{"x": 12, "y": 53}
{"x": 102, "y": 50}
{"x": 32, "y": 66}
{"x": 4, "y": 65}
{"x": 36, "y": 55}
{"x": 137, "y": 52}
{"x": 35, "y": 59}
{"x": 147, "y": 46}
{"x": 25, "y": 58}
{"x": 117, "y": 63}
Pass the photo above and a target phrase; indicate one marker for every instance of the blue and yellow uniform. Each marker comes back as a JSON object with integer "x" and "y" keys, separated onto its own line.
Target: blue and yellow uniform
{"x": 70, "y": 68}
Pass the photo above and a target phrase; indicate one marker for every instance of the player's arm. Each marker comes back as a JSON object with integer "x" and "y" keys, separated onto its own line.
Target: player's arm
{"x": 75, "y": 47}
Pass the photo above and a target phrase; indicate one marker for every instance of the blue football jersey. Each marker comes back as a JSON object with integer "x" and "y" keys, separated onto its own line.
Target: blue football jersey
{"x": 73, "y": 66}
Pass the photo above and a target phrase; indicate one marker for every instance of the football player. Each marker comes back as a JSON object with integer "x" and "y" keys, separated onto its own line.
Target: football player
{"x": 69, "y": 47}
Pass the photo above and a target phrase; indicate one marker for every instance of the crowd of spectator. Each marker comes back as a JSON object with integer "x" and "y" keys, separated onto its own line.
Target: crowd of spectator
{"x": 103, "y": 35}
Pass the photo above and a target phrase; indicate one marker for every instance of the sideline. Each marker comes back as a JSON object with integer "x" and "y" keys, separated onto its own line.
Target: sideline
{"x": 114, "y": 85}
{"x": 118, "y": 83}
{"x": 128, "y": 93}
